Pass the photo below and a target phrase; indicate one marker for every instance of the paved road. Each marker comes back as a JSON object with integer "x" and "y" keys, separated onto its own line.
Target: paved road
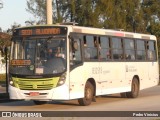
{"x": 148, "y": 100}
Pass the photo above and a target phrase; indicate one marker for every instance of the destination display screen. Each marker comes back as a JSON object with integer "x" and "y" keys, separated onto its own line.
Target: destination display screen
{"x": 36, "y": 31}
{"x": 21, "y": 62}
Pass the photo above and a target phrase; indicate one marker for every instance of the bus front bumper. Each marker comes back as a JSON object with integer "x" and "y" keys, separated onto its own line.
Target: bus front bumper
{"x": 58, "y": 93}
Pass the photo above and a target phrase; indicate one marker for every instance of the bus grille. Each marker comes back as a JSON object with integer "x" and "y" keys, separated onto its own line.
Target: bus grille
{"x": 35, "y": 84}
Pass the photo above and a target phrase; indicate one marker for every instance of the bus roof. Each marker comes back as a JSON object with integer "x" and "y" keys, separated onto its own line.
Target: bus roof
{"x": 98, "y": 31}
{"x": 110, "y": 32}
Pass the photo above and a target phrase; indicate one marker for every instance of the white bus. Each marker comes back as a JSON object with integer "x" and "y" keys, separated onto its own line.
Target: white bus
{"x": 64, "y": 62}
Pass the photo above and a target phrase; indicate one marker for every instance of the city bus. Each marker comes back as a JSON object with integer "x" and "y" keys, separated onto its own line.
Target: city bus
{"x": 65, "y": 62}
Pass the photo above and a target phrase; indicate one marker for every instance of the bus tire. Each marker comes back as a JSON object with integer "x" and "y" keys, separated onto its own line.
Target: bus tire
{"x": 39, "y": 102}
{"x": 88, "y": 95}
{"x": 134, "y": 89}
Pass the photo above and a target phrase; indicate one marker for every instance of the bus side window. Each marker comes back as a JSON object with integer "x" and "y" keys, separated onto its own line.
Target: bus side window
{"x": 86, "y": 49}
{"x": 90, "y": 48}
{"x": 117, "y": 50}
{"x": 105, "y": 52}
{"x": 151, "y": 50}
{"x": 141, "y": 50}
{"x": 75, "y": 51}
{"x": 129, "y": 49}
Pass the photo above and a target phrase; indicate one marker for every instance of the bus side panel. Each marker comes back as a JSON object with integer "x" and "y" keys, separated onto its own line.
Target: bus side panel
{"x": 156, "y": 72}
{"x": 130, "y": 72}
{"x": 146, "y": 71}
{"x": 139, "y": 69}
{"x": 79, "y": 77}
{"x": 113, "y": 77}
{"x": 153, "y": 68}
{"x": 76, "y": 83}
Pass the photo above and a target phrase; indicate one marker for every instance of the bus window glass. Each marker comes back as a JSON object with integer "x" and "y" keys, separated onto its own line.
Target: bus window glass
{"x": 129, "y": 49}
{"x": 117, "y": 48}
{"x": 19, "y": 50}
{"x": 90, "y": 49}
{"x": 151, "y": 52}
{"x": 105, "y": 53}
{"x": 75, "y": 57}
{"x": 104, "y": 42}
{"x": 90, "y": 41}
{"x": 44, "y": 56}
{"x": 141, "y": 52}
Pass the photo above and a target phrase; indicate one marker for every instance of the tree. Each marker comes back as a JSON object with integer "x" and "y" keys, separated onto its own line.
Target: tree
{"x": 13, "y": 27}
{"x": 4, "y": 41}
{"x": 134, "y": 19}
{"x": 64, "y": 10}
{"x": 37, "y": 8}
{"x": 114, "y": 14}
{"x": 130, "y": 15}
{"x": 151, "y": 12}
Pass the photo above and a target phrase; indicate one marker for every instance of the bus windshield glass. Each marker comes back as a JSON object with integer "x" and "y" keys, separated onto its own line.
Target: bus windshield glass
{"x": 38, "y": 56}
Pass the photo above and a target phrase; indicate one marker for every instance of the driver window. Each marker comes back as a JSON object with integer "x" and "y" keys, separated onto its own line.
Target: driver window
{"x": 75, "y": 51}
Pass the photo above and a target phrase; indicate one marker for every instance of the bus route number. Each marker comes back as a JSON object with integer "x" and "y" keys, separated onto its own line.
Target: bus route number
{"x": 97, "y": 70}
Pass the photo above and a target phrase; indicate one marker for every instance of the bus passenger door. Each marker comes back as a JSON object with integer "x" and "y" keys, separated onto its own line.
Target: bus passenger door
{"x": 76, "y": 84}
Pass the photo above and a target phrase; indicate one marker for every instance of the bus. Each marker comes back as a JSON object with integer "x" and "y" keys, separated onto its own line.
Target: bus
{"x": 65, "y": 62}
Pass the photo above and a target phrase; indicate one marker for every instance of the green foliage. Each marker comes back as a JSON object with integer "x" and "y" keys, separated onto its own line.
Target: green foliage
{"x": 3, "y": 61}
{"x": 4, "y": 41}
{"x": 2, "y": 77}
{"x": 37, "y": 8}
{"x": 130, "y": 15}
{"x": 154, "y": 28}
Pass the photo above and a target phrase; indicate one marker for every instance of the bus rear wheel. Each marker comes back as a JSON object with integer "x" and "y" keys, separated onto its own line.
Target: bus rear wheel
{"x": 134, "y": 89}
{"x": 39, "y": 102}
{"x": 88, "y": 95}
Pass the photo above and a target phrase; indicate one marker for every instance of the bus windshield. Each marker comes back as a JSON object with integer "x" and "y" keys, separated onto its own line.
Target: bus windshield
{"x": 38, "y": 56}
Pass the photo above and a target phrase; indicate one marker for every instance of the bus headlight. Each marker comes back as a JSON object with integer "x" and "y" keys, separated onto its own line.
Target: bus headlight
{"x": 62, "y": 79}
{"x": 11, "y": 81}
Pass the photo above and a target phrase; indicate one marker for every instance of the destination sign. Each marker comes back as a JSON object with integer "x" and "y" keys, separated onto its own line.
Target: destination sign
{"x": 41, "y": 31}
{"x": 21, "y": 62}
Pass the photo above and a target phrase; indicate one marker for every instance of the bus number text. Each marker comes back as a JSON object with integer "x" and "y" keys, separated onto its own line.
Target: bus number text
{"x": 97, "y": 70}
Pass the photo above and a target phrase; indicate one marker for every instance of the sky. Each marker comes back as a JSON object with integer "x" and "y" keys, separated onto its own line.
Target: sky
{"x": 14, "y": 11}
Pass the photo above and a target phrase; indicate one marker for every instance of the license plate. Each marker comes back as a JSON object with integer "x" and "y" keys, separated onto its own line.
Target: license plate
{"x": 34, "y": 93}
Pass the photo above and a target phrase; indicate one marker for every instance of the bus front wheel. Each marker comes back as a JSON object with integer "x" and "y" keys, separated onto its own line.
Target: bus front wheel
{"x": 39, "y": 102}
{"x": 88, "y": 95}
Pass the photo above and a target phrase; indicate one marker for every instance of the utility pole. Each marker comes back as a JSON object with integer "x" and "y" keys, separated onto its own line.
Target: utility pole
{"x": 49, "y": 11}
